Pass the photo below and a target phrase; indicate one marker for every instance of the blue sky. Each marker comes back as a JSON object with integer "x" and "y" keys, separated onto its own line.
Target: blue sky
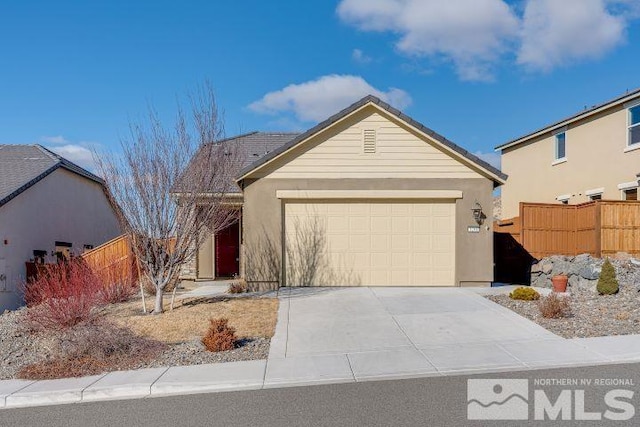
{"x": 481, "y": 72}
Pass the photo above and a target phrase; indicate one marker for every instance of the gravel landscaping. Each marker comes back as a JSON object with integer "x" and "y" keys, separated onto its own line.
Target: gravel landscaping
{"x": 20, "y": 347}
{"x": 592, "y": 315}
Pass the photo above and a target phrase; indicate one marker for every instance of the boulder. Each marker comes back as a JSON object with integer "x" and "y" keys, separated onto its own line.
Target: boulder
{"x": 573, "y": 281}
{"x": 536, "y": 268}
{"x": 590, "y": 272}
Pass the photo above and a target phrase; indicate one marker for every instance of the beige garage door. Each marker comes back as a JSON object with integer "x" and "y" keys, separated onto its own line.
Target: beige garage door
{"x": 370, "y": 243}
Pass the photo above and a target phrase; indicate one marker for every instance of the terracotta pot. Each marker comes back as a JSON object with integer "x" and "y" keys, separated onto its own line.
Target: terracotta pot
{"x": 559, "y": 283}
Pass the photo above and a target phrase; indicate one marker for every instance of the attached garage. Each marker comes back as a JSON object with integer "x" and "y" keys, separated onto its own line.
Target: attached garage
{"x": 408, "y": 240}
{"x": 368, "y": 198}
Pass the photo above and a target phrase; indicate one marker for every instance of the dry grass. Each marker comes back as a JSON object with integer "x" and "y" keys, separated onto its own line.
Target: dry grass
{"x": 251, "y": 317}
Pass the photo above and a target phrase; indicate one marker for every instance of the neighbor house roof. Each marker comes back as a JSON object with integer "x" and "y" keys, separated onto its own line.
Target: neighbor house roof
{"x": 251, "y": 146}
{"x": 629, "y": 96}
{"x": 21, "y": 166}
{"x": 497, "y": 175}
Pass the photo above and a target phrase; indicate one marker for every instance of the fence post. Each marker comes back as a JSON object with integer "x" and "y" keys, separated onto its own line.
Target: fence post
{"x": 522, "y": 239}
{"x": 598, "y": 227}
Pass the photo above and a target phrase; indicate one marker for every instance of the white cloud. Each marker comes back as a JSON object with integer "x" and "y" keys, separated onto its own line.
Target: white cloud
{"x": 58, "y": 139}
{"x": 558, "y": 33}
{"x": 360, "y": 57}
{"x": 473, "y": 34}
{"x": 476, "y": 35}
{"x": 492, "y": 158}
{"x": 318, "y": 99}
{"x": 79, "y": 153}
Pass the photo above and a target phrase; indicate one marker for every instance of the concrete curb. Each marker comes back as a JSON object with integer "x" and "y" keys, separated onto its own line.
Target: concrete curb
{"x": 221, "y": 377}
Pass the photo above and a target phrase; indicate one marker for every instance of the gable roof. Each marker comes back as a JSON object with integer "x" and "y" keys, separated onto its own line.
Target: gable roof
{"x": 252, "y": 146}
{"x": 22, "y": 166}
{"x": 629, "y": 96}
{"x": 495, "y": 174}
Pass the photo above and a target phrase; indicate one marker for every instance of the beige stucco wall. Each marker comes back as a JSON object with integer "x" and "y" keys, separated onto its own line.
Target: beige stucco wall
{"x": 61, "y": 207}
{"x": 596, "y": 158}
{"x": 263, "y": 222}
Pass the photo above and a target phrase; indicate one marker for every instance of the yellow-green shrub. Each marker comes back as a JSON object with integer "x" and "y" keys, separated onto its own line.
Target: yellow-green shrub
{"x": 525, "y": 294}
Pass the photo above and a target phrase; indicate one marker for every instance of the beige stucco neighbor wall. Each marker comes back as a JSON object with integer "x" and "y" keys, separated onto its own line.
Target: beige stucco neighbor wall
{"x": 61, "y": 207}
{"x": 596, "y": 158}
{"x": 264, "y": 216}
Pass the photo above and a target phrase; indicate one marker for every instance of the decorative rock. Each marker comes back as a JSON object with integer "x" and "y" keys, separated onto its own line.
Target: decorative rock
{"x": 589, "y": 272}
{"x": 573, "y": 280}
{"x": 584, "y": 270}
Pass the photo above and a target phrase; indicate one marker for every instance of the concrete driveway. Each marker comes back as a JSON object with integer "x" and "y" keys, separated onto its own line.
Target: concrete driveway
{"x": 334, "y": 334}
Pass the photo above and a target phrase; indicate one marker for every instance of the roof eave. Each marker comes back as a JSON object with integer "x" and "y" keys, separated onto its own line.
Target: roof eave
{"x": 572, "y": 119}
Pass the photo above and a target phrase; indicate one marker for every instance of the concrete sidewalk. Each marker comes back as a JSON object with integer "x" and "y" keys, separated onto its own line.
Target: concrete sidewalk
{"x": 355, "y": 334}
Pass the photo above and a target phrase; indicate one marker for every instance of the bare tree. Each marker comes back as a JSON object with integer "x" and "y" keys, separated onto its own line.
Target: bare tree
{"x": 172, "y": 187}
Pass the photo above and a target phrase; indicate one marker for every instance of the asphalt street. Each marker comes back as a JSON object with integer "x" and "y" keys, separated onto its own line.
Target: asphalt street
{"x": 434, "y": 401}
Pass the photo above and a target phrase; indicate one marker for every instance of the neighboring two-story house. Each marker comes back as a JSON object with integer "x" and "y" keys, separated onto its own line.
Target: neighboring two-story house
{"x": 594, "y": 154}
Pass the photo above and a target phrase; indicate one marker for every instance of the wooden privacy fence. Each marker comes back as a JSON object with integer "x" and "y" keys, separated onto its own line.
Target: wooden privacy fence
{"x": 113, "y": 260}
{"x": 600, "y": 228}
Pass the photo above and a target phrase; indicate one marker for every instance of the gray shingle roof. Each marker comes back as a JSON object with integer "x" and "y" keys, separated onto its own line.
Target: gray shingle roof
{"x": 21, "y": 166}
{"x": 251, "y": 146}
{"x": 256, "y": 145}
{"x": 375, "y": 100}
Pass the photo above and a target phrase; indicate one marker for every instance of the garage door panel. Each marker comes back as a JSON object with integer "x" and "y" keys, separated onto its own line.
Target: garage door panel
{"x": 401, "y": 225}
{"x": 400, "y": 243}
{"x": 379, "y": 243}
{"x": 338, "y": 224}
{"x": 381, "y": 225}
{"x": 360, "y": 224}
{"x": 380, "y": 210}
{"x": 401, "y": 210}
{"x": 380, "y": 261}
{"x": 422, "y": 242}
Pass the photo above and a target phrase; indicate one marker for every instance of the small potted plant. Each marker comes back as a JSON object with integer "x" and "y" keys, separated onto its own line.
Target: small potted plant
{"x": 559, "y": 282}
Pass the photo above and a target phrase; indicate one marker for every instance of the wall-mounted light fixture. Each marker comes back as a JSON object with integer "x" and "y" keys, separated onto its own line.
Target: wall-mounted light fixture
{"x": 476, "y": 210}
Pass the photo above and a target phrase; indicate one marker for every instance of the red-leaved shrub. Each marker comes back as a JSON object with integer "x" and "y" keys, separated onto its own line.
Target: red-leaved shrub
{"x": 220, "y": 336}
{"x": 63, "y": 295}
{"x": 118, "y": 285}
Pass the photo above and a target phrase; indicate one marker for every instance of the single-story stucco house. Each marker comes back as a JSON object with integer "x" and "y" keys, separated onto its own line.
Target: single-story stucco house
{"x": 49, "y": 207}
{"x": 367, "y": 197}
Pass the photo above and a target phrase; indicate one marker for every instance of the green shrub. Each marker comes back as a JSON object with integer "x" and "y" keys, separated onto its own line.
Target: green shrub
{"x": 607, "y": 283}
{"x": 525, "y": 294}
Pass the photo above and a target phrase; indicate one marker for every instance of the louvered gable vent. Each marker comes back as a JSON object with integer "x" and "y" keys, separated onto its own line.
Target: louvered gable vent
{"x": 369, "y": 141}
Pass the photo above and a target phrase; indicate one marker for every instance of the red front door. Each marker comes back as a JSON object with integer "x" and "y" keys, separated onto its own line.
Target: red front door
{"x": 228, "y": 251}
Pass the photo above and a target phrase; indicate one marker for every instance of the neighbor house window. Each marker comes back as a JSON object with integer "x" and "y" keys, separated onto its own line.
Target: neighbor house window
{"x": 634, "y": 125}
{"x": 631, "y": 194}
{"x": 594, "y": 194}
{"x": 561, "y": 146}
